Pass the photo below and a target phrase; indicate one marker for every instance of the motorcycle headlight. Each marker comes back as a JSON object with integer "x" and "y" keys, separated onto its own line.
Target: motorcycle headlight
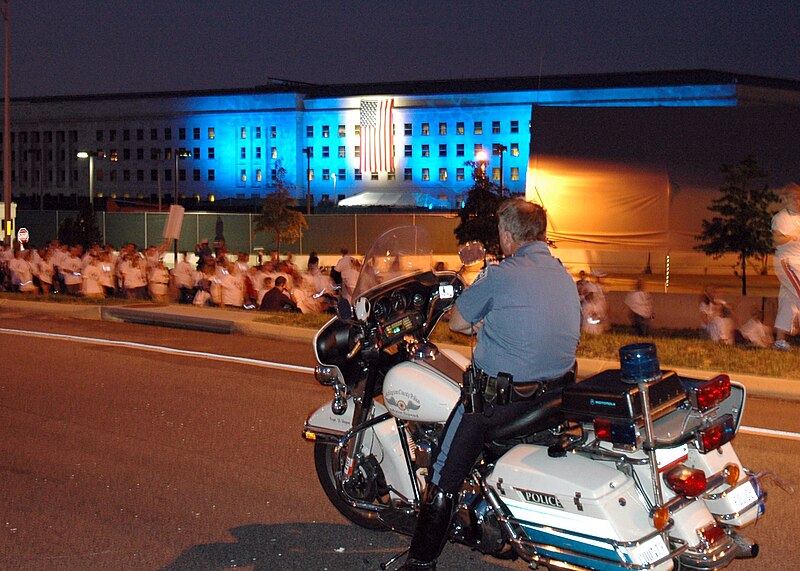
{"x": 326, "y": 376}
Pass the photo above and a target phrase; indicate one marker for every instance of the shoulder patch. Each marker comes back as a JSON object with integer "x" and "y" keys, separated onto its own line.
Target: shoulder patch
{"x": 482, "y": 274}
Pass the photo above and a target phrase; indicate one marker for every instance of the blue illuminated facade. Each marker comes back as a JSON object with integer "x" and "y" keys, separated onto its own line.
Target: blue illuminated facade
{"x": 237, "y": 138}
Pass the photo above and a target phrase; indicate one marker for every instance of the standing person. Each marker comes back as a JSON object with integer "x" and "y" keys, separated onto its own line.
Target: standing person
{"x": 341, "y": 265}
{"x": 529, "y": 308}
{"x": 786, "y": 237}
{"x": 640, "y": 304}
{"x": 184, "y": 278}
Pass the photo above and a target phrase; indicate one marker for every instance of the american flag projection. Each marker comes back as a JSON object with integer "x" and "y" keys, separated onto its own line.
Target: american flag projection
{"x": 377, "y": 144}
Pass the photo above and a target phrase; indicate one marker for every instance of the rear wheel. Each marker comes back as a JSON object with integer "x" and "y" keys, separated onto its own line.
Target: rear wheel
{"x": 363, "y": 485}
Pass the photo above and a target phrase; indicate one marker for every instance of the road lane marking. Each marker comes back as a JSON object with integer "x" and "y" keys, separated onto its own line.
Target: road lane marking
{"x": 766, "y": 432}
{"x": 162, "y": 349}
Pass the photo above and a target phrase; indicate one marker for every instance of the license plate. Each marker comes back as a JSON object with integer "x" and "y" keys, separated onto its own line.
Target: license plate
{"x": 650, "y": 551}
{"x": 666, "y": 457}
{"x": 742, "y": 497}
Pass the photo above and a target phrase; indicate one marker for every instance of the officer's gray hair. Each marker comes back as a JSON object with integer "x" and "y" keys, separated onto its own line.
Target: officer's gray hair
{"x": 525, "y": 221}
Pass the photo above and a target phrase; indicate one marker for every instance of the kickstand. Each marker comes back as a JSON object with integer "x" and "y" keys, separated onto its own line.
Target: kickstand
{"x": 389, "y": 563}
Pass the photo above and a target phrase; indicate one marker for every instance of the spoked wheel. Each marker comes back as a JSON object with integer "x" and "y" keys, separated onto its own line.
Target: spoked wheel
{"x": 363, "y": 485}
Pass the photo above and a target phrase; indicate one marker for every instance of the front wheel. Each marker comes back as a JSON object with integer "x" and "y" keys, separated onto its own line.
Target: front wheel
{"x": 363, "y": 485}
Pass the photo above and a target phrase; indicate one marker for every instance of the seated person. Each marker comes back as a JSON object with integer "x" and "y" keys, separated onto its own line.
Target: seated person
{"x": 277, "y": 299}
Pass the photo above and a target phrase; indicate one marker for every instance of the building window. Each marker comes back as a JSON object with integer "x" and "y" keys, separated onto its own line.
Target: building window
{"x": 126, "y": 154}
{"x": 443, "y": 128}
{"x": 326, "y": 174}
{"x": 310, "y": 152}
{"x": 211, "y": 152}
{"x": 460, "y": 150}
{"x": 495, "y": 127}
{"x": 211, "y": 133}
{"x": 496, "y": 149}
{"x": 140, "y": 134}
{"x": 426, "y": 128}
{"x": 390, "y": 175}
{"x": 140, "y": 175}
{"x": 460, "y": 174}
{"x": 342, "y": 174}
{"x": 357, "y": 130}
{"x": 460, "y": 128}
{"x": 342, "y": 151}
{"x": 273, "y": 153}
{"x": 357, "y": 174}
{"x": 326, "y": 131}
{"x": 196, "y": 133}
{"x": 373, "y": 176}
{"x": 496, "y": 173}
{"x": 140, "y": 154}
{"x": 478, "y": 128}
{"x": 259, "y": 175}
{"x": 182, "y": 174}
{"x": 258, "y": 132}
{"x": 242, "y": 152}
{"x": 514, "y": 149}
{"x": 242, "y": 132}
{"x": 326, "y": 152}
{"x": 153, "y": 175}
{"x": 407, "y": 150}
{"x": 273, "y": 174}
{"x": 477, "y": 149}
{"x": 273, "y": 131}
{"x": 196, "y": 153}
{"x": 196, "y": 175}
{"x": 342, "y": 131}
{"x": 426, "y": 150}
{"x": 442, "y": 150}
{"x": 442, "y": 175}
{"x": 167, "y": 175}
{"x": 182, "y": 133}
{"x": 167, "y": 133}
{"x": 515, "y": 126}
{"x": 243, "y": 175}
{"x": 98, "y": 136}
{"x": 357, "y": 152}
{"x": 514, "y": 173}
{"x": 310, "y": 131}
{"x": 112, "y": 135}
{"x": 211, "y": 176}
{"x": 426, "y": 174}
{"x": 407, "y": 129}
{"x": 154, "y": 134}
{"x": 258, "y": 153}
{"x": 407, "y": 174}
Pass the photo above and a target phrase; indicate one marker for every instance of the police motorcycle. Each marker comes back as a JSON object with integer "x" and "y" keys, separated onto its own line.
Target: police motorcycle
{"x": 630, "y": 469}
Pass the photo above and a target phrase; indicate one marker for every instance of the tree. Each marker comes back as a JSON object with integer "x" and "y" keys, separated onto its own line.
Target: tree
{"x": 278, "y": 215}
{"x": 743, "y": 224}
{"x": 81, "y": 231}
{"x": 479, "y": 213}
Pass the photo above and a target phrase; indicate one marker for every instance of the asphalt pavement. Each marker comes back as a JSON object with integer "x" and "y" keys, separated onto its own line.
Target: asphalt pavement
{"x": 225, "y": 321}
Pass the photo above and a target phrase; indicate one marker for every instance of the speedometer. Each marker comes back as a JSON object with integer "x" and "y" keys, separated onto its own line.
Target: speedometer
{"x": 400, "y": 299}
{"x": 381, "y": 308}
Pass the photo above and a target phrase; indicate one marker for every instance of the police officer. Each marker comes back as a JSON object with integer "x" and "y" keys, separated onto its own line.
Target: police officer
{"x": 527, "y": 315}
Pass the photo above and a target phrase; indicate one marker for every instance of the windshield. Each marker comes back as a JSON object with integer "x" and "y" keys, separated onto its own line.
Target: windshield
{"x": 396, "y": 253}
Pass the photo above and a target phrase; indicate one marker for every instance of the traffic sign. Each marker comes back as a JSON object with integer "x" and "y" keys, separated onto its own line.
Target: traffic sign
{"x": 23, "y": 236}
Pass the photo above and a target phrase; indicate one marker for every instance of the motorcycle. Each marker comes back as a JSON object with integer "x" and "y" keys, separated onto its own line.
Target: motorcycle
{"x": 630, "y": 469}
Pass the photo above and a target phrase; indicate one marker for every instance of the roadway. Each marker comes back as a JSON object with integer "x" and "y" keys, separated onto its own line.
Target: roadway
{"x": 113, "y": 457}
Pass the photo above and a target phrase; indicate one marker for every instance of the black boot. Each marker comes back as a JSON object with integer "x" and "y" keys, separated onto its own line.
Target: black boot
{"x": 431, "y": 532}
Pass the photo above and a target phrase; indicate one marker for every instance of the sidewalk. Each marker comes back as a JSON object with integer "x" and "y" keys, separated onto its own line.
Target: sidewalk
{"x": 218, "y": 320}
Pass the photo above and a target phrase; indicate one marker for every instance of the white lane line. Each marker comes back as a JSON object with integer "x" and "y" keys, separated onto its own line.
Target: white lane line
{"x": 767, "y": 432}
{"x": 161, "y": 349}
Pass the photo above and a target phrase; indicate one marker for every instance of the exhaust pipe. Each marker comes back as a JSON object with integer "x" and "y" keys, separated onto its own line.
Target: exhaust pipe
{"x": 746, "y": 547}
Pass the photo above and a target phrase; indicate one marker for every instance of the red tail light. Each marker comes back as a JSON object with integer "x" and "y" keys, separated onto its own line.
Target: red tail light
{"x": 711, "y": 533}
{"x": 719, "y": 433}
{"x": 686, "y": 481}
{"x": 709, "y": 394}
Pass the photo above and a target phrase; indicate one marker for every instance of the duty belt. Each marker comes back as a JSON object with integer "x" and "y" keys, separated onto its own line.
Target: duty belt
{"x": 481, "y": 388}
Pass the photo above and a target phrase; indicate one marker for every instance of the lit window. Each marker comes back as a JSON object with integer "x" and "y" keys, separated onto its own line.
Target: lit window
{"x": 373, "y": 176}
{"x": 211, "y": 133}
{"x": 325, "y": 131}
{"x": 426, "y": 128}
{"x": 460, "y": 128}
{"x": 243, "y": 133}
{"x": 326, "y": 174}
{"x": 342, "y": 131}
{"x": 459, "y": 174}
{"x": 477, "y": 149}
{"x": 514, "y": 173}
{"x": 426, "y": 174}
{"x": 407, "y": 174}
{"x": 426, "y": 150}
{"x": 390, "y": 175}
{"x": 478, "y": 130}
{"x": 258, "y": 175}
{"x": 514, "y": 149}
{"x": 342, "y": 151}
{"x": 495, "y": 127}
{"x": 443, "y": 174}
{"x": 443, "y": 128}
{"x": 357, "y": 174}
{"x": 496, "y": 173}
{"x": 357, "y": 152}
{"x": 310, "y": 174}
{"x": 273, "y": 153}
{"x": 357, "y": 130}
{"x": 273, "y": 131}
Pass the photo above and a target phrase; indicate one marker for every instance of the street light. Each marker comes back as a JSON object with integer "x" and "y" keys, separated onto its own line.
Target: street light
{"x": 308, "y": 151}
{"x": 90, "y": 156}
{"x": 501, "y": 149}
{"x": 178, "y": 154}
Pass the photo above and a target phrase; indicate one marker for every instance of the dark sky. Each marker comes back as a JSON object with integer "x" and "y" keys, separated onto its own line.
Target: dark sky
{"x": 66, "y": 47}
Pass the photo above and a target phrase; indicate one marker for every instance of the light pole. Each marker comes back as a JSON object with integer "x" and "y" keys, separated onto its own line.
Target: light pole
{"x": 335, "y": 196}
{"x": 177, "y": 154}
{"x": 89, "y": 155}
{"x": 501, "y": 149}
{"x": 307, "y": 151}
{"x": 7, "y": 130}
{"x": 39, "y": 157}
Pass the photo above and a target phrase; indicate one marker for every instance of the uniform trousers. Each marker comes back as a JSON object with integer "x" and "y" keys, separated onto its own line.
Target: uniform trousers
{"x": 463, "y": 438}
{"x": 788, "y": 272}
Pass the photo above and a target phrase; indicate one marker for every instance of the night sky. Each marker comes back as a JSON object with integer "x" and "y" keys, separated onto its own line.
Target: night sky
{"x": 69, "y": 47}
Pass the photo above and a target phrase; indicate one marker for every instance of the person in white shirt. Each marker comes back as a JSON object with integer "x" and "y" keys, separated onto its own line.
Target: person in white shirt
{"x": 158, "y": 282}
{"x": 184, "y": 277}
{"x": 134, "y": 277}
{"x": 640, "y": 304}
{"x": 232, "y": 285}
{"x": 91, "y": 276}
{"x": 46, "y": 271}
{"x": 786, "y": 237}
{"x": 71, "y": 266}
{"x": 21, "y": 272}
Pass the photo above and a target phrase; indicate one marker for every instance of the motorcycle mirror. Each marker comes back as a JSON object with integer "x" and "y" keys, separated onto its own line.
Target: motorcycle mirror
{"x": 471, "y": 253}
{"x": 362, "y": 308}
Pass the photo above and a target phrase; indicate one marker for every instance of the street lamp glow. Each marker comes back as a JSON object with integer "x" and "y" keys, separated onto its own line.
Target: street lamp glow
{"x": 481, "y": 156}
{"x": 82, "y": 155}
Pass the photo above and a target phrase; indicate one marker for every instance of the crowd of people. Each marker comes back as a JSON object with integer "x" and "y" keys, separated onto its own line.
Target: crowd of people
{"x": 203, "y": 277}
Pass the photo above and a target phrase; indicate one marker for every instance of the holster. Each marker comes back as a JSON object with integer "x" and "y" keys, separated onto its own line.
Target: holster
{"x": 471, "y": 391}
{"x": 479, "y": 388}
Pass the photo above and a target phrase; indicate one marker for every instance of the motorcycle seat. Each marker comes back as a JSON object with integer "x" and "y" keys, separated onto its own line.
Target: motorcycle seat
{"x": 545, "y": 412}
